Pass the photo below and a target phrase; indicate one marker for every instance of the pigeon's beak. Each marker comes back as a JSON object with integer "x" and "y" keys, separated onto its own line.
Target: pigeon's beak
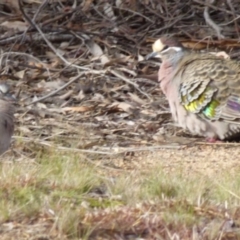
{"x": 153, "y": 55}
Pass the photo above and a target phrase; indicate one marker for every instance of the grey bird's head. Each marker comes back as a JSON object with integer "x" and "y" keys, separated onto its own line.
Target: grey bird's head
{"x": 166, "y": 48}
{"x": 5, "y": 93}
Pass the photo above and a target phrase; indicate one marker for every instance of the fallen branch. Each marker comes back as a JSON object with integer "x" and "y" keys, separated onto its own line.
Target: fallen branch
{"x": 210, "y": 22}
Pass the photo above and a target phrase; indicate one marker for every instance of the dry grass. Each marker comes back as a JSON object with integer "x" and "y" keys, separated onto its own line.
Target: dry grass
{"x": 60, "y": 195}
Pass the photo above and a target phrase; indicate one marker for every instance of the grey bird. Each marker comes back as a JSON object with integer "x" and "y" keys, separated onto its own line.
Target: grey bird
{"x": 203, "y": 89}
{"x": 6, "y": 117}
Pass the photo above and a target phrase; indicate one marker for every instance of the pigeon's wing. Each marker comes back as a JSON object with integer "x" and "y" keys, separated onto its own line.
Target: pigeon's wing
{"x": 210, "y": 87}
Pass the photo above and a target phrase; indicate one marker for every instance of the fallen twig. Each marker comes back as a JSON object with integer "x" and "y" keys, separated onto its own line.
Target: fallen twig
{"x": 210, "y": 22}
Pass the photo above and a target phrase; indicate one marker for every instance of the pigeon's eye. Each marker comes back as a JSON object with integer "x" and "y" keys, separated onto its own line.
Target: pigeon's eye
{"x": 165, "y": 47}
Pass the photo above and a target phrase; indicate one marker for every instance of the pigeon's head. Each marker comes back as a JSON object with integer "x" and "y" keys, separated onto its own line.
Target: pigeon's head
{"x": 5, "y": 93}
{"x": 165, "y": 47}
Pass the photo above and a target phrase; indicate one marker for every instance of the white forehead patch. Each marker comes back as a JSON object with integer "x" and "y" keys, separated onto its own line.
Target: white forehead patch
{"x": 157, "y": 46}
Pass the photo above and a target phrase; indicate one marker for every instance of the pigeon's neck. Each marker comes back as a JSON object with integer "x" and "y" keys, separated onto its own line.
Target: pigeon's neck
{"x": 164, "y": 75}
{"x": 174, "y": 58}
{"x": 167, "y": 69}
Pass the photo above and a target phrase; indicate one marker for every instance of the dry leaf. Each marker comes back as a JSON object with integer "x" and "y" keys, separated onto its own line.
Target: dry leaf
{"x": 52, "y": 85}
{"x": 109, "y": 11}
{"x": 77, "y": 109}
{"x": 12, "y": 4}
{"x": 140, "y": 58}
{"x": 17, "y": 25}
{"x": 136, "y": 99}
{"x": 86, "y": 5}
{"x": 119, "y": 3}
{"x": 66, "y": 94}
{"x": 126, "y": 107}
{"x": 20, "y": 74}
{"x": 96, "y": 51}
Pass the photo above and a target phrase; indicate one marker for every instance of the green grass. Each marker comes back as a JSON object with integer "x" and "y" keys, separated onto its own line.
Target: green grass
{"x": 64, "y": 187}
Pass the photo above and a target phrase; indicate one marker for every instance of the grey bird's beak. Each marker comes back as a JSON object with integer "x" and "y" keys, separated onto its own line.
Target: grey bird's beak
{"x": 153, "y": 55}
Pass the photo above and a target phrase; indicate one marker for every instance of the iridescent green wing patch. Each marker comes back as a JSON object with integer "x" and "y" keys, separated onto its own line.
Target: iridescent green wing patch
{"x": 204, "y": 103}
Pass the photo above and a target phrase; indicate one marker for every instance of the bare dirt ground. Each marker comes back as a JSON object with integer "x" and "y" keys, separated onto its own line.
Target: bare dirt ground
{"x": 205, "y": 159}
